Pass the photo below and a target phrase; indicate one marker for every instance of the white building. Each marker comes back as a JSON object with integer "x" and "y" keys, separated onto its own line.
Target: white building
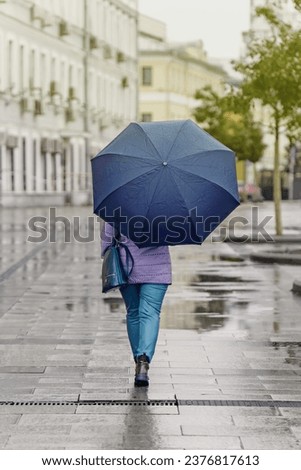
{"x": 68, "y": 84}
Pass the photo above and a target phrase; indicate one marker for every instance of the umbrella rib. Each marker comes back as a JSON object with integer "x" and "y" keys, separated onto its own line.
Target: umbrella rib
{"x": 160, "y": 176}
{"x": 184, "y": 123}
{"x": 149, "y": 139}
{"x": 179, "y": 191}
{"x": 206, "y": 179}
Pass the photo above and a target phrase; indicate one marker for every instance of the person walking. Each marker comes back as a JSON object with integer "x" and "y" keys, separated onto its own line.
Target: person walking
{"x": 143, "y": 297}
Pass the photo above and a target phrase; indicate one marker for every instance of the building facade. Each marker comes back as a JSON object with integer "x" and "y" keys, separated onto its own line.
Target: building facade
{"x": 68, "y": 84}
{"x": 169, "y": 75}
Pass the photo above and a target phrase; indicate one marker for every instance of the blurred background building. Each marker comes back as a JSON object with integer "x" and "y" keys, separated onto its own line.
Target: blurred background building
{"x": 74, "y": 73}
{"x": 68, "y": 84}
{"x": 170, "y": 74}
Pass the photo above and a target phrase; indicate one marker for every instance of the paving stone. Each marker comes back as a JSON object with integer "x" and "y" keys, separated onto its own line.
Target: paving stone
{"x": 6, "y": 420}
{"x": 216, "y": 411}
{"x": 35, "y": 442}
{"x": 268, "y": 442}
{"x": 21, "y": 370}
{"x": 128, "y": 409}
{"x": 28, "y": 430}
{"x": 226, "y": 430}
{"x": 290, "y": 412}
{"x": 72, "y": 419}
{"x": 149, "y": 427}
{"x": 199, "y": 442}
{"x": 37, "y": 409}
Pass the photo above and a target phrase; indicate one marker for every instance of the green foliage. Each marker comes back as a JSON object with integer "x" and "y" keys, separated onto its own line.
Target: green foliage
{"x": 228, "y": 119}
{"x": 297, "y": 5}
{"x": 272, "y": 69}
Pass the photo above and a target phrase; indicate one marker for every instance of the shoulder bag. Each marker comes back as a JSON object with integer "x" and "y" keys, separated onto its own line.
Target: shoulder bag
{"x": 114, "y": 275}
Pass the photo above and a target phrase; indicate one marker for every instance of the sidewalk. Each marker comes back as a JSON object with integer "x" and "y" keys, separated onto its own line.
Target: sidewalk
{"x": 226, "y": 373}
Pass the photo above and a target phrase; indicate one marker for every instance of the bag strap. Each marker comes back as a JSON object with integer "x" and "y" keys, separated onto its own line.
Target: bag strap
{"x": 129, "y": 257}
{"x": 117, "y": 243}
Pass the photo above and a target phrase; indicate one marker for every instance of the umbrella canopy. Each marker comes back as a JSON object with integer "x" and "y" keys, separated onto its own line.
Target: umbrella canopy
{"x": 166, "y": 183}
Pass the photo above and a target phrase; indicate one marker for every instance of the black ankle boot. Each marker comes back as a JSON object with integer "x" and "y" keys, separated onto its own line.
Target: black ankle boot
{"x": 142, "y": 366}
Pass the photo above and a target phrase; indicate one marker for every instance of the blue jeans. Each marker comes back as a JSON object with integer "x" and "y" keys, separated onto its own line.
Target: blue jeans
{"x": 143, "y": 304}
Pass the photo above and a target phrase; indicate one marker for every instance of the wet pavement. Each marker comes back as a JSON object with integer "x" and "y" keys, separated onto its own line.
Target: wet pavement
{"x": 227, "y": 369}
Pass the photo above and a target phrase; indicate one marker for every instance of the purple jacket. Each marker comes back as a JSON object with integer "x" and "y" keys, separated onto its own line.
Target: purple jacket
{"x": 151, "y": 264}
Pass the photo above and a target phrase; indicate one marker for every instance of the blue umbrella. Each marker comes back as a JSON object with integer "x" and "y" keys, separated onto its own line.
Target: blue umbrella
{"x": 165, "y": 183}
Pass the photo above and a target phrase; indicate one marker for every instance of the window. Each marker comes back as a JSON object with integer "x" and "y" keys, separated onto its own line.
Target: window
{"x": 32, "y": 69}
{"x": 21, "y": 68}
{"x": 147, "y": 117}
{"x": 34, "y": 165}
{"x": 12, "y": 168}
{"x": 10, "y": 64}
{"x": 24, "y": 162}
{"x": 147, "y": 75}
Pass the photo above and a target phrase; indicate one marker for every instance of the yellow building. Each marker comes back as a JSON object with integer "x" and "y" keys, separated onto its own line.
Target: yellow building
{"x": 169, "y": 75}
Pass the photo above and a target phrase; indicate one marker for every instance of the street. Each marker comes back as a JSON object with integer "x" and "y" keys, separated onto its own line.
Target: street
{"x": 226, "y": 373}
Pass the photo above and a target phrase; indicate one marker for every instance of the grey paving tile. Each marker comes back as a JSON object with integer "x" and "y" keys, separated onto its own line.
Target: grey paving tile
{"x": 128, "y": 409}
{"x": 227, "y": 430}
{"x": 35, "y": 441}
{"x": 94, "y": 442}
{"x": 148, "y": 428}
{"x": 3, "y": 440}
{"x": 21, "y": 370}
{"x": 71, "y": 419}
{"x": 202, "y": 394}
{"x": 37, "y": 409}
{"x": 286, "y": 397}
{"x": 216, "y": 411}
{"x": 8, "y": 419}
{"x": 290, "y": 412}
{"x": 199, "y": 442}
{"x": 268, "y": 442}
{"x": 28, "y": 430}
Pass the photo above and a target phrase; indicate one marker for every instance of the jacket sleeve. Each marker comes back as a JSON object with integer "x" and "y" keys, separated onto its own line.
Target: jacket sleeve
{"x": 106, "y": 237}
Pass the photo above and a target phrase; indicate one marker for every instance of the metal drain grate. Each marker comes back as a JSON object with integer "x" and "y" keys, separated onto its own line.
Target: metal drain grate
{"x": 93, "y": 402}
{"x": 254, "y": 403}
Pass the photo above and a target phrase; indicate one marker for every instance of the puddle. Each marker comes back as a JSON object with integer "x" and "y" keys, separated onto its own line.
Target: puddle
{"x": 209, "y": 277}
{"x": 293, "y": 350}
{"x": 115, "y": 303}
{"x": 194, "y": 315}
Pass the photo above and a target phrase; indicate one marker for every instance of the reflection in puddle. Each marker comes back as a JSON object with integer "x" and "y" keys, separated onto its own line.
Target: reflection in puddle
{"x": 194, "y": 315}
{"x": 115, "y": 303}
{"x": 293, "y": 350}
{"x": 210, "y": 277}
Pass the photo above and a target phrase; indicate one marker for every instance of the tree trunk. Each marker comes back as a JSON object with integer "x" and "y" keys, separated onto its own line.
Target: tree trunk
{"x": 255, "y": 174}
{"x": 277, "y": 181}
